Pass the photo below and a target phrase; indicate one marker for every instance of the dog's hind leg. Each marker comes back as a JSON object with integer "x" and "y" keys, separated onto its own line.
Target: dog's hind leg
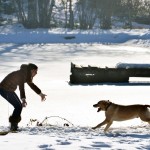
{"x": 107, "y": 126}
{"x": 146, "y": 120}
{"x": 101, "y": 124}
{"x": 145, "y": 117}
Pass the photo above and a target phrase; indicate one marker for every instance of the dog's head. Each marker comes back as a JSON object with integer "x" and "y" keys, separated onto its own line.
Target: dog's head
{"x": 102, "y": 105}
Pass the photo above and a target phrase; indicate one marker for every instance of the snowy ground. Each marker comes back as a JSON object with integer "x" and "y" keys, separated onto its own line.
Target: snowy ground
{"x": 53, "y": 54}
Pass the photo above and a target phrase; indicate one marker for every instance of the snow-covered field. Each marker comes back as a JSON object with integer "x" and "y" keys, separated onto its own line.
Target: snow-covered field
{"x": 54, "y": 54}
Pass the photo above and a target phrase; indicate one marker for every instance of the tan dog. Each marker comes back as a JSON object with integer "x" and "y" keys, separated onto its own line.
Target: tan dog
{"x": 115, "y": 112}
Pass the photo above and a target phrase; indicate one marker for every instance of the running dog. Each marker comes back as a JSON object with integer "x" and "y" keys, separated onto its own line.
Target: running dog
{"x": 116, "y": 112}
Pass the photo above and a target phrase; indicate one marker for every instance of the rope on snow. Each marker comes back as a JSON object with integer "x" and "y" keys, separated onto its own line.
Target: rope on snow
{"x": 44, "y": 122}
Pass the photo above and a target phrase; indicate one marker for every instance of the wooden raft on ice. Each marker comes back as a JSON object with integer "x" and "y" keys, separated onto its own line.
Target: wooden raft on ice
{"x": 120, "y": 73}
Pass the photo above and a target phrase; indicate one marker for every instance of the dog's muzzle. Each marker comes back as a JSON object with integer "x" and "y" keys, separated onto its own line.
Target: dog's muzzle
{"x": 99, "y": 109}
{"x": 95, "y": 105}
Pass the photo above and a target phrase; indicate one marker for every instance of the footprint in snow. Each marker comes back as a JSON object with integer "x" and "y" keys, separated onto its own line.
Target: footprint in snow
{"x": 63, "y": 142}
{"x": 100, "y": 144}
{"x": 45, "y": 146}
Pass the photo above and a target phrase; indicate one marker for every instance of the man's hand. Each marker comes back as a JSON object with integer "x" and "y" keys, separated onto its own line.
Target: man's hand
{"x": 24, "y": 103}
{"x": 43, "y": 96}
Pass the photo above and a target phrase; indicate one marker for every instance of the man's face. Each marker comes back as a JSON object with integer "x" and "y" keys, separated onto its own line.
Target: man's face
{"x": 33, "y": 72}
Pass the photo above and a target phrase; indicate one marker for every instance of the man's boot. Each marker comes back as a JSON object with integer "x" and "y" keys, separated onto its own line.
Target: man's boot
{"x": 14, "y": 122}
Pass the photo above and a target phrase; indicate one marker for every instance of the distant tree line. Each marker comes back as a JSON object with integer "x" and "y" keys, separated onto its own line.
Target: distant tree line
{"x": 83, "y": 14}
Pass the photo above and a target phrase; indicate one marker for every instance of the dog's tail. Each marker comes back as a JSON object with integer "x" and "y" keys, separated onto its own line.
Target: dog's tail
{"x": 147, "y": 105}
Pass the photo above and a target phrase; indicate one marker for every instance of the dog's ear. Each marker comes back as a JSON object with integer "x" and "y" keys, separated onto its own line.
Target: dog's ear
{"x": 108, "y": 101}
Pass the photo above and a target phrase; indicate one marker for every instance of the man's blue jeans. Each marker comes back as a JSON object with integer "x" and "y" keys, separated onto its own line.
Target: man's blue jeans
{"x": 13, "y": 99}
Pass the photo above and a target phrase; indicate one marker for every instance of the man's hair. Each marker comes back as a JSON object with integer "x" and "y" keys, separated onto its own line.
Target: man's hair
{"x": 26, "y": 68}
{"x": 32, "y": 66}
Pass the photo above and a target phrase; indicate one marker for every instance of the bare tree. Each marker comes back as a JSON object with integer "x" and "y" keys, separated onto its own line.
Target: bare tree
{"x": 32, "y": 21}
{"x": 45, "y": 12}
{"x": 69, "y": 14}
{"x": 86, "y": 13}
{"x": 105, "y": 10}
{"x": 20, "y": 11}
{"x": 39, "y": 13}
{"x": 71, "y": 17}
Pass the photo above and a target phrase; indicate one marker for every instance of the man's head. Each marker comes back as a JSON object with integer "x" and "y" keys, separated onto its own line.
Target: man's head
{"x": 33, "y": 68}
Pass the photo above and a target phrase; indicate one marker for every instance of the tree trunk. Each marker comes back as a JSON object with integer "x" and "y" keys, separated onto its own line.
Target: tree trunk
{"x": 71, "y": 18}
{"x": 32, "y": 14}
{"x": 105, "y": 21}
{"x": 20, "y": 11}
{"x": 45, "y": 12}
{"x": 86, "y": 13}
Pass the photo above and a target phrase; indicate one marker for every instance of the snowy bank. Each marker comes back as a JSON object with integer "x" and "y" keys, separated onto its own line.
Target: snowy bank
{"x": 18, "y": 34}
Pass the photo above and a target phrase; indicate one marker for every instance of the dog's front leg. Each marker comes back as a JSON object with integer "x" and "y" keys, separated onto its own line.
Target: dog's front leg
{"x": 108, "y": 125}
{"x": 101, "y": 124}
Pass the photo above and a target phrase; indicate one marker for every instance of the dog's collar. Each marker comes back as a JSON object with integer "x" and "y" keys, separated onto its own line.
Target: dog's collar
{"x": 108, "y": 106}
